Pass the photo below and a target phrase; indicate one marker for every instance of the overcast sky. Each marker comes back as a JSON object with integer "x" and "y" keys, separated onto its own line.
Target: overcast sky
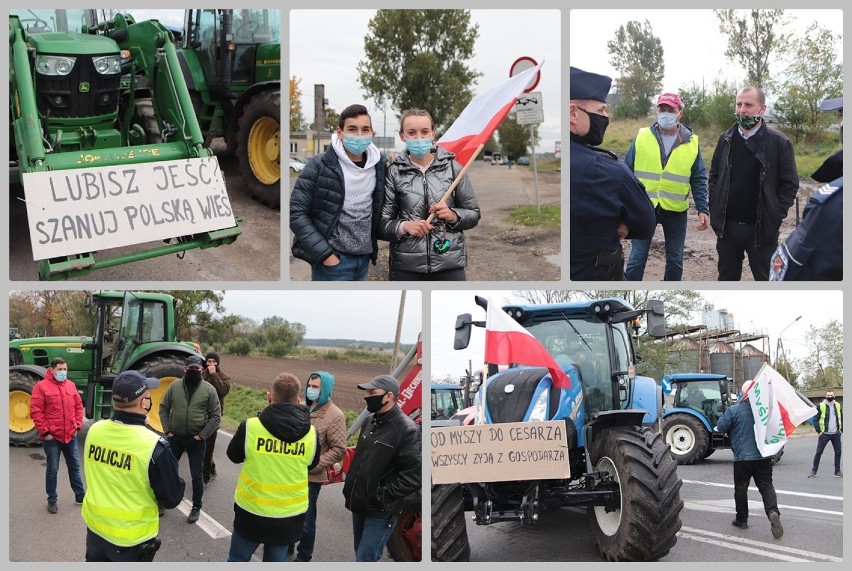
{"x": 693, "y": 48}
{"x": 772, "y": 311}
{"x": 504, "y": 36}
{"x": 333, "y": 314}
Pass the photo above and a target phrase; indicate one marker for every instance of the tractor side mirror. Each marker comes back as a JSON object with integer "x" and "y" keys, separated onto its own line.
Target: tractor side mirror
{"x": 462, "y": 335}
{"x": 656, "y": 318}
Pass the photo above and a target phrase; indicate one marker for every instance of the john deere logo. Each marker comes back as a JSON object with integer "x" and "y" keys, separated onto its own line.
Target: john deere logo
{"x": 84, "y": 87}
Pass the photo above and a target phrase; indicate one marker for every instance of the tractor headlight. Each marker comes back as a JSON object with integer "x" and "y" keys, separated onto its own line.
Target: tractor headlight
{"x": 107, "y": 65}
{"x": 539, "y": 410}
{"x": 54, "y": 65}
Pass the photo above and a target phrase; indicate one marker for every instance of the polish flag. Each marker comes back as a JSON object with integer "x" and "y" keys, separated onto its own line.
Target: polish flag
{"x": 483, "y": 115}
{"x": 506, "y": 342}
{"x": 777, "y": 409}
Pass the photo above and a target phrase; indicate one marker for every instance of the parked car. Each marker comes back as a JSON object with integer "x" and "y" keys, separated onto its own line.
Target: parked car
{"x": 523, "y": 161}
{"x": 496, "y": 159}
{"x": 296, "y": 165}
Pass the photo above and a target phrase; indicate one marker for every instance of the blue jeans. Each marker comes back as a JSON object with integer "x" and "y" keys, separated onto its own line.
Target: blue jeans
{"x": 71, "y": 451}
{"x": 350, "y": 268}
{"x": 243, "y": 548}
{"x": 674, "y": 233}
{"x": 305, "y": 551}
{"x": 195, "y": 452}
{"x": 371, "y": 535}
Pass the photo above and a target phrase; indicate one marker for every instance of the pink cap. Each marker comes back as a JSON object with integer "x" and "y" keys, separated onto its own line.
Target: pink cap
{"x": 670, "y": 99}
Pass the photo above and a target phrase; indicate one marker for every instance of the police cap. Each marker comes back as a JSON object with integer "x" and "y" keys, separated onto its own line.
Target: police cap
{"x": 587, "y": 85}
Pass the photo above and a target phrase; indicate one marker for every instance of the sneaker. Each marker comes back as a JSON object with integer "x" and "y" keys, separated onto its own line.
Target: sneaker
{"x": 812, "y": 474}
{"x": 740, "y": 524}
{"x": 777, "y": 528}
{"x": 193, "y": 515}
{"x": 51, "y": 507}
{"x": 838, "y": 474}
{"x": 161, "y": 510}
{"x": 79, "y": 499}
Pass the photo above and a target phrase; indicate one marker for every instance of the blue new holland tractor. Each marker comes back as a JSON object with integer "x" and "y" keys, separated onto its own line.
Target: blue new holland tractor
{"x": 621, "y": 469}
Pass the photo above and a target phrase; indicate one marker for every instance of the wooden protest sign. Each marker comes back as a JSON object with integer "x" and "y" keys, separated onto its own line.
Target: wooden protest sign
{"x": 499, "y": 452}
{"x": 86, "y": 210}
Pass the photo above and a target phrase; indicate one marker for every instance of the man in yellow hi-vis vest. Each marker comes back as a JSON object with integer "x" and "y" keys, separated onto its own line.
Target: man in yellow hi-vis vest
{"x": 666, "y": 159}
{"x": 277, "y": 448}
{"x": 828, "y": 423}
{"x": 129, "y": 468}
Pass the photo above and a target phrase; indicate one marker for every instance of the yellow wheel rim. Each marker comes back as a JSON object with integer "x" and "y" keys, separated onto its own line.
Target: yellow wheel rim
{"x": 19, "y": 412}
{"x": 264, "y": 151}
{"x": 156, "y": 396}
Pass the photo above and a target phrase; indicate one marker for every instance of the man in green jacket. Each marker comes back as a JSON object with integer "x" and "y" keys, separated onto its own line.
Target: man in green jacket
{"x": 189, "y": 413}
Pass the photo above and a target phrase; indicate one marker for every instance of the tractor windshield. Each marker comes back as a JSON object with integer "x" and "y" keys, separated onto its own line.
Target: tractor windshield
{"x": 702, "y": 396}
{"x": 142, "y": 321}
{"x": 584, "y": 343}
{"x": 445, "y": 402}
{"x": 39, "y": 21}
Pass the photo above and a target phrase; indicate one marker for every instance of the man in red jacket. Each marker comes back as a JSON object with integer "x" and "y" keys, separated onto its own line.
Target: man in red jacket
{"x": 57, "y": 411}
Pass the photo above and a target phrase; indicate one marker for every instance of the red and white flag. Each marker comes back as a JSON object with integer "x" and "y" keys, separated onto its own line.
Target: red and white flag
{"x": 483, "y": 115}
{"x": 777, "y": 410}
{"x": 506, "y": 342}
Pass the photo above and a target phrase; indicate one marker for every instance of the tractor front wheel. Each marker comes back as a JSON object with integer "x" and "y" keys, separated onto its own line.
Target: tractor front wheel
{"x": 259, "y": 147}
{"x": 167, "y": 368}
{"x": 687, "y": 437}
{"x": 449, "y": 527}
{"x": 644, "y": 527}
{"x": 22, "y": 430}
{"x": 406, "y": 541}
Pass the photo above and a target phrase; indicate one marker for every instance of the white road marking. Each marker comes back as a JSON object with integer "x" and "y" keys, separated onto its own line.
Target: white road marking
{"x": 210, "y": 526}
{"x": 753, "y": 489}
{"x": 755, "y": 547}
{"x": 714, "y": 505}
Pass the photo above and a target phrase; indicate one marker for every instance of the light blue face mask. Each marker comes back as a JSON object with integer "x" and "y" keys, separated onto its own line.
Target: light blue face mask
{"x": 356, "y": 145}
{"x": 418, "y": 147}
{"x": 312, "y": 394}
{"x": 61, "y": 375}
{"x": 667, "y": 121}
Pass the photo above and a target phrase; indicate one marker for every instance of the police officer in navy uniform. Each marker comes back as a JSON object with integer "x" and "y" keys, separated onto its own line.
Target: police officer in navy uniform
{"x": 129, "y": 470}
{"x": 814, "y": 250}
{"x": 608, "y": 204}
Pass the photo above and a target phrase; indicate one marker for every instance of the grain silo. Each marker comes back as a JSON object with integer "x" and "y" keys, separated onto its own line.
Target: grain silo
{"x": 721, "y": 359}
{"x": 753, "y": 359}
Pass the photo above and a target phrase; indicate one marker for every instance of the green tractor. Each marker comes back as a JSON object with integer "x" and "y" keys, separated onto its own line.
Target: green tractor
{"x": 132, "y": 330}
{"x": 84, "y": 99}
{"x": 231, "y": 60}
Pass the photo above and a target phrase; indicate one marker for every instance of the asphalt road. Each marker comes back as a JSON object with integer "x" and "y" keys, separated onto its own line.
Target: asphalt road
{"x": 811, "y": 512}
{"x": 35, "y": 535}
{"x": 254, "y": 256}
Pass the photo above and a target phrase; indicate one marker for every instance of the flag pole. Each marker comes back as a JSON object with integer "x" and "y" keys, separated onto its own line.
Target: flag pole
{"x": 458, "y": 178}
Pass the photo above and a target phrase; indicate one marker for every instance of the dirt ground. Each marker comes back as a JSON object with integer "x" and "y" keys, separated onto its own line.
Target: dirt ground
{"x": 498, "y": 250}
{"x": 258, "y": 373}
{"x": 255, "y": 255}
{"x": 699, "y": 255}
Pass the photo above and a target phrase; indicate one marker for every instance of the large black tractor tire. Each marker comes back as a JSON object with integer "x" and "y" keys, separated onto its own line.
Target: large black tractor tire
{"x": 168, "y": 368}
{"x": 777, "y": 457}
{"x": 709, "y": 452}
{"x": 22, "y": 430}
{"x": 406, "y": 541}
{"x": 449, "y": 527}
{"x": 687, "y": 437}
{"x": 645, "y": 527}
{"x": 259, "y": 147}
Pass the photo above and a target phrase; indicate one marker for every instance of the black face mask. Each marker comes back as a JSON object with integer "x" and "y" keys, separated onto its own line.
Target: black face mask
{"x": 374, "y": 403}
{"x": 193, "y": 377}
{"x": 150, "y": 405}
{"x": 597, "y": 128}
{"x": 829, "y": 399}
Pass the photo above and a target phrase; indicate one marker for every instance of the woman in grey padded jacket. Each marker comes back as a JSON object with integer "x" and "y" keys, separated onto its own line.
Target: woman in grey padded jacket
{"x": 416, "y": 181}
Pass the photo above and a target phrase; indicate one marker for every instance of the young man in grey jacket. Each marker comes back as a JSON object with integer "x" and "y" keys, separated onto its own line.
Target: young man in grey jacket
{"x": 189, "y": 414}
